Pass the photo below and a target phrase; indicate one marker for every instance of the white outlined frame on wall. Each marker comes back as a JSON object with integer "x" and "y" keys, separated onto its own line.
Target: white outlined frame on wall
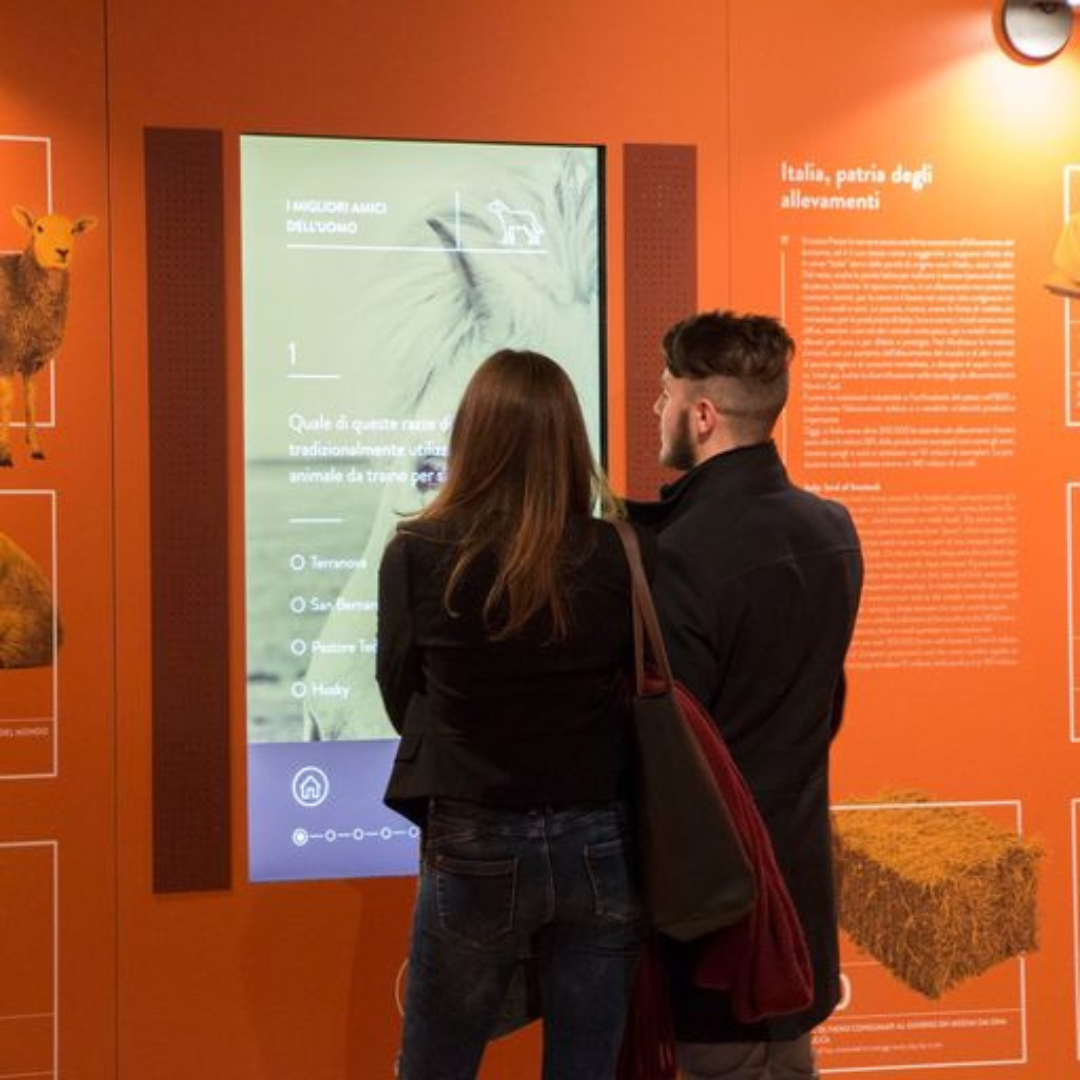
{"x": 909, "y": 1067}
{"x": 53, "y": 720}
{"x": 1071, "y": 177}
{"x": 35, "y": 1018}
{"x": 46, "y": 143}
{"x": 1072, "y": 536}
{"x": 1074, "y": 815}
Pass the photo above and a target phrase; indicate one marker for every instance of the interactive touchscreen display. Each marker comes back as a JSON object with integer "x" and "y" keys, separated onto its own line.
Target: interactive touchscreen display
{"x": 376, "y": 276}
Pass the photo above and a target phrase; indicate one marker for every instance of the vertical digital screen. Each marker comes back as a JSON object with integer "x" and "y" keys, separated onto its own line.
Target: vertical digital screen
{"x": 377, "y": 275}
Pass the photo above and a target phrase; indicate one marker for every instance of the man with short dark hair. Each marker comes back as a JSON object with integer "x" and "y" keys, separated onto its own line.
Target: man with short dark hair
{"x": 757, "y": 586}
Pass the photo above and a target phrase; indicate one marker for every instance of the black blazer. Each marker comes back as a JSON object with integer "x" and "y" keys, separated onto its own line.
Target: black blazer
{"x": 757, "y": 586}
{"x": 521, "y": 722}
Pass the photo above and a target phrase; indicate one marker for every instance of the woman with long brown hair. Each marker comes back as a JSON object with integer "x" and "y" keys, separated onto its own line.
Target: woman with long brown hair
{"x": 505, "y": 645}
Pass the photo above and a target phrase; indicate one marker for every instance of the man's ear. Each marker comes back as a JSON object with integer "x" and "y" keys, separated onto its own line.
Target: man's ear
{"x": 706, "y": 416}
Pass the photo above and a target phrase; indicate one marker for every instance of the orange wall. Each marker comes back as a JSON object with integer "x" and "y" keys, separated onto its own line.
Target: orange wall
{"x": 275, "y": 981}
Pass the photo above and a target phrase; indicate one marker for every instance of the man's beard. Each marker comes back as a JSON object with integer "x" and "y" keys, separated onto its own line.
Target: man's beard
{"x": 680, "y": 452}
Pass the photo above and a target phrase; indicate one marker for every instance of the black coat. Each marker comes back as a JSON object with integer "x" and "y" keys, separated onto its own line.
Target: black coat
{"x": 520, "y": 722}
{"x": 757, "y": 586}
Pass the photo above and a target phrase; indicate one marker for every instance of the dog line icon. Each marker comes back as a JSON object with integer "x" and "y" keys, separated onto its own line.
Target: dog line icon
{"x": 514, "y": 222}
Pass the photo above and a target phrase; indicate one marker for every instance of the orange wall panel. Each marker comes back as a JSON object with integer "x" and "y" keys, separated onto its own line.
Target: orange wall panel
{"x": 276, "y": 980}
{"x": 271, "y": 980}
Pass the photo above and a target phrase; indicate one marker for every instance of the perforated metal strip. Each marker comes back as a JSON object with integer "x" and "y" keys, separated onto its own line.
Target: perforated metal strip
{"x": 660, "y": 213}
{"x": 188, "y": 433}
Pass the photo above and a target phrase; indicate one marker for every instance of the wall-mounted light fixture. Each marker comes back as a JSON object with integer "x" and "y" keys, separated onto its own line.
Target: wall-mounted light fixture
{"x": 1037, "y": 29}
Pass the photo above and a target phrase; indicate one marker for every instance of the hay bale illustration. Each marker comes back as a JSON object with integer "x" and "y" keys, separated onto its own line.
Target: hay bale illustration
{"x": 26, "y": 610}
{"x": 937, "y": 894}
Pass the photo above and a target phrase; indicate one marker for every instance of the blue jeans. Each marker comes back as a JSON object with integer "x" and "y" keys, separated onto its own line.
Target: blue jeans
{"x": 557, "y": 884}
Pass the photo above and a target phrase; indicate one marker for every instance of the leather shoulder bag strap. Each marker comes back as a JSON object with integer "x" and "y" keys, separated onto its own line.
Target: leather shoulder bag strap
{"x": 644, "y": 615}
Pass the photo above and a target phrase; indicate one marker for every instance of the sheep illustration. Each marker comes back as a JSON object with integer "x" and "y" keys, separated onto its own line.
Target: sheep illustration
{"x": 26, "y": 610}
{"x": 437, "y": 325}
{"x": 514, "y": 221}
{"x": 33, "y": 311}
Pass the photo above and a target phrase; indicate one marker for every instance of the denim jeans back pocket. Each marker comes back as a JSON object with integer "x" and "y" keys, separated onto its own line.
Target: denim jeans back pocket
{"x": 475, "y": 897}
{"x": 615, "y": 892}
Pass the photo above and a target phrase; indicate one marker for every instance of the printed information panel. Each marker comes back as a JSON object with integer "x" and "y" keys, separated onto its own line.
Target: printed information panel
{"x": 935, "y": 394}
{"x": 29, "y": 634}
{"x": 28, "y": 944}
{"x": 377, "y": 275}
